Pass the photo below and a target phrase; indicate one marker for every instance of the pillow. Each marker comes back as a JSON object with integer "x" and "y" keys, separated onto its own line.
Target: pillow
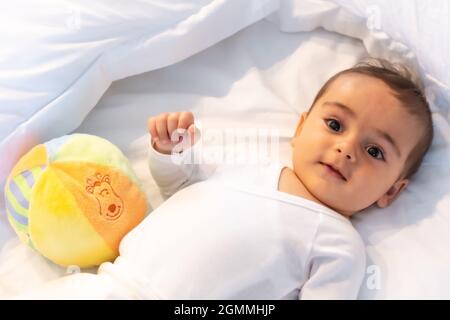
{"x": 406, "y": 31}
{"x": 420, "y": 26}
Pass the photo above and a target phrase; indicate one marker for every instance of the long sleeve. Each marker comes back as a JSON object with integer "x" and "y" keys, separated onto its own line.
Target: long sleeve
{"x": 336, "y": 265}
{"x": 174, "y": 172}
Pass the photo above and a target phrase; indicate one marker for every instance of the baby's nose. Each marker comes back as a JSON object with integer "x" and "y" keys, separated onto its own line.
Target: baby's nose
{"x": 348, "y": 156}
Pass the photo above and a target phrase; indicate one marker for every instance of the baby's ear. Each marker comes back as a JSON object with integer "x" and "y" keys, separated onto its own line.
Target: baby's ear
{"x": 393, "y": 192}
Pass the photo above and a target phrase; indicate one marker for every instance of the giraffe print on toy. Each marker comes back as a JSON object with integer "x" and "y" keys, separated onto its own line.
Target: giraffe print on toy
{"x": 111, "y": 205}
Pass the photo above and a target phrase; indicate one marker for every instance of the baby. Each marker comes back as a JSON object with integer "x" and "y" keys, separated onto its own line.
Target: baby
{"x": 275, "y": 232}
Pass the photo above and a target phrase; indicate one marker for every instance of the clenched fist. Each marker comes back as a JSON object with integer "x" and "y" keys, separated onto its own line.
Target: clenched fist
{"x": 172, "y": 129}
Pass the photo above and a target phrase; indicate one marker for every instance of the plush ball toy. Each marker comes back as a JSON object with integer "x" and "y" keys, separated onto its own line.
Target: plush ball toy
{"x": 73, "y": 199}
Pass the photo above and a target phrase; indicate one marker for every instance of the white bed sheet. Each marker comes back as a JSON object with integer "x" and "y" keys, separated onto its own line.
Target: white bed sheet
{"x": 262, "y": 77}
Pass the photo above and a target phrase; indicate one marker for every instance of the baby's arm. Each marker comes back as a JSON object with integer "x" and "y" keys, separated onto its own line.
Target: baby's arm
{"x": 175, "y": 156}
{"x": 336, "y": 265}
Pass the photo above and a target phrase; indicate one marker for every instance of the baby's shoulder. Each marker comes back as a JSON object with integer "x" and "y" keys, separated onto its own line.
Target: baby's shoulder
{"x": 339, "y": 233}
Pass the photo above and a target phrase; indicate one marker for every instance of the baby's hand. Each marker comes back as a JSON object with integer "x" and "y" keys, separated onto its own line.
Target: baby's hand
{"x": 165, "y": 136}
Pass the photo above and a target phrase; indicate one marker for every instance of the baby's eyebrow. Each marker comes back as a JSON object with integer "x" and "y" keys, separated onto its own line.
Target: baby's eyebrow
{"x": 390, "y": 140}
{"x": 341, "y": 106}
{"x": 352, "y": 114}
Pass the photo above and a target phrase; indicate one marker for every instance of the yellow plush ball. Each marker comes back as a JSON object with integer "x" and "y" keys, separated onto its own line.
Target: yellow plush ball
{"x": 73, "y": 199}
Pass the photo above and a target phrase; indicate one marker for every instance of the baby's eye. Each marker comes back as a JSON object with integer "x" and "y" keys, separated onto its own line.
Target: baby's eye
{"x": 375, "y": 152}
{"x": 333, "y": 124}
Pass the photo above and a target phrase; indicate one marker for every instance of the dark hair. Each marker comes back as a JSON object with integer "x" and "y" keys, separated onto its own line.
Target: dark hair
{"x": 407, "y": 90}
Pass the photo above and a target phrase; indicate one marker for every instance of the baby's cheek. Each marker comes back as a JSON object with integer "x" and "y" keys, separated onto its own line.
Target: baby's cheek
{"x": 366, "y": 191}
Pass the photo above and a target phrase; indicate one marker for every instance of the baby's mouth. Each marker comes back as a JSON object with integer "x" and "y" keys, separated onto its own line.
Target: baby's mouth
{"x": 334, "y": 170}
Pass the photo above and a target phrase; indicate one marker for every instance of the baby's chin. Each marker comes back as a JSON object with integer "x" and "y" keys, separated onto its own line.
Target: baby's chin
{"x": 339, "y": 203}
{"x": 334, "y": 194}
{"x": 348, "y": 210}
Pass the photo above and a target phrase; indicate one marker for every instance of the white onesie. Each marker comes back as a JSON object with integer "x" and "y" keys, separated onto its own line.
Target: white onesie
{"x": 231, "y": 235}
{"x": 235, "y": 236}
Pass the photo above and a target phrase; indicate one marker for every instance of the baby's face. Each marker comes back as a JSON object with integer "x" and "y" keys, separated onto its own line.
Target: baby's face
{"x": 361, "y": 129}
